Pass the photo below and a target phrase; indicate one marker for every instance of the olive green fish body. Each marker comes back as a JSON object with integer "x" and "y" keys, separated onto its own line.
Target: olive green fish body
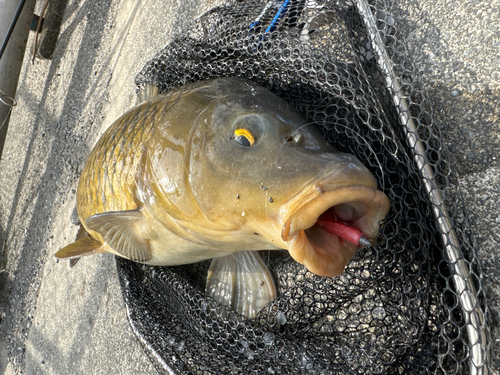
{"x": 219, "y": 167}
{"x": 109, "y": 178}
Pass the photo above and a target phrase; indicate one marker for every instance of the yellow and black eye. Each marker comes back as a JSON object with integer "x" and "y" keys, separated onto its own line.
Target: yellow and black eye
{"x": 244, "y": 137}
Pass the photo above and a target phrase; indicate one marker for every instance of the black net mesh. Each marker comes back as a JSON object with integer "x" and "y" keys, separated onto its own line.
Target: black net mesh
{"x": 412, "y": 304}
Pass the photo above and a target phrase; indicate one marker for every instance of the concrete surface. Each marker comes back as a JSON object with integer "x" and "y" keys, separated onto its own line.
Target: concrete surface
{"x": 12, "y": 58}
{"x": 62, "y": 320}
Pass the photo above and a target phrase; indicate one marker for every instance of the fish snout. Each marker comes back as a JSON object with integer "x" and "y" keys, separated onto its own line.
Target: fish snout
{"x": 338, "y": 216}
{"x": 344, "y": 170}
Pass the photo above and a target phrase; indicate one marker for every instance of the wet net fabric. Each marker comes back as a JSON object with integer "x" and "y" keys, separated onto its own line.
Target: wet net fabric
{"x": 413, "y": 303}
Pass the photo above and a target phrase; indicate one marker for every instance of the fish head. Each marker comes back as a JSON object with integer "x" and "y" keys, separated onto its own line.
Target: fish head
{"x": 265, "y": 176}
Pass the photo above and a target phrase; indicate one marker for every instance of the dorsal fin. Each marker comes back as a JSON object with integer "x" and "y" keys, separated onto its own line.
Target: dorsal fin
{"x": 83, "y": 247}
{"x": 119, "y": 230}
{"x": 147, "y": 92}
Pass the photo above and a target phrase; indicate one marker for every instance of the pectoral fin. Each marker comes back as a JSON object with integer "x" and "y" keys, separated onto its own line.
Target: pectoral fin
{"x": 120, "y": 231}
{"x": 82, "y": 247}
{"x": 241, "y": 281}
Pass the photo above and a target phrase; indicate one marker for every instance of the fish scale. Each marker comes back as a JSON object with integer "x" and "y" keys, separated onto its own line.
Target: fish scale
{"x": 113, "y": 167}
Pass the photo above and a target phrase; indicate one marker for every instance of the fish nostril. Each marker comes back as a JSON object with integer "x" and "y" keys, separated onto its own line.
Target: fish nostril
{"x": 298, "y": 138}
{"x": 295, "y": 138}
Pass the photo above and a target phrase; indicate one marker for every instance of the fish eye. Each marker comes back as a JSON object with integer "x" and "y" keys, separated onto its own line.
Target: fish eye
{"x": 244, "y": 137}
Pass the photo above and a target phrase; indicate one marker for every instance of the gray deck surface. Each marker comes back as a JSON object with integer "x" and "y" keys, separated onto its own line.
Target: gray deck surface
{"x": 62, "y": 320}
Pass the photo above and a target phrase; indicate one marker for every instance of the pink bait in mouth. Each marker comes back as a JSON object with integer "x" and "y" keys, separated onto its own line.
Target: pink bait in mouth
{"x": 343, "y": 231}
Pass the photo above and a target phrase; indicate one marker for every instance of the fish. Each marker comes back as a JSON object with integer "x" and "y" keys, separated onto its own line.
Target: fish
{"x": 222, "y": 169}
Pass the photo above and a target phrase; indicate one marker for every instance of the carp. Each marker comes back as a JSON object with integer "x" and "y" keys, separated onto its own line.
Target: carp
{"x": 215, "y": 169}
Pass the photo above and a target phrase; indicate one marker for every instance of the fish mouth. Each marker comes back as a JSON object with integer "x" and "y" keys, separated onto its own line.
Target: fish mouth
{"x": 323, "y": 234}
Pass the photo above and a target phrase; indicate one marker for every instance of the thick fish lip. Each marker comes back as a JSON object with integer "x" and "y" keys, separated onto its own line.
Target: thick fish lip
{"x": 324, "y": 253}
